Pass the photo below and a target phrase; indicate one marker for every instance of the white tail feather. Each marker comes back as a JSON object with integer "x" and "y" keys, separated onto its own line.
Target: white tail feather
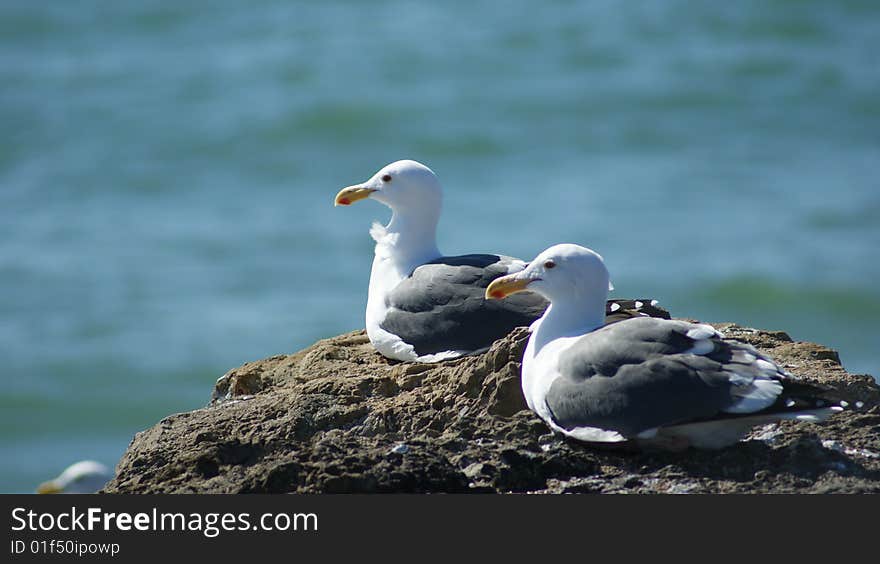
{"x": 701, "y": 331}
{"x": 759, "y": 395}
{"x": 724, "y": 432}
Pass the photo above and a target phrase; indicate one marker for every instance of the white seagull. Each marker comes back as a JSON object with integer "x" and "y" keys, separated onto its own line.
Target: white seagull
{"x": 85, "y": 476}
{"x": 660, "y": 383}
{"x": 426, "y": 307}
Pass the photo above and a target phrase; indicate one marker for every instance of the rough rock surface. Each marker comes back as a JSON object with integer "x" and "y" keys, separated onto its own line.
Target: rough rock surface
{"x": 337, "y": 417}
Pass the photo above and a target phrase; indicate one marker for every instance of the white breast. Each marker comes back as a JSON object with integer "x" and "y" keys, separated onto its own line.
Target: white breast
{"x": 384, "y": 277}
{"x": 540, "y": 370}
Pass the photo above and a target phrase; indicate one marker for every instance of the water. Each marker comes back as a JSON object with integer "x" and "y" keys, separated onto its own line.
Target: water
{"x": 167, "y": 174}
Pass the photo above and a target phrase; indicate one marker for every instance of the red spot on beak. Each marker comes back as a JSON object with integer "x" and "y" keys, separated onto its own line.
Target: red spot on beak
{"x": 344, "y": 202}
{"x": 497, "y": 295}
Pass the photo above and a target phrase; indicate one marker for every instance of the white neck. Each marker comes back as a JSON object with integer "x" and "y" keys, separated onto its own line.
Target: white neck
{"x": 568, "y": 318}
{"x": 409, "y": 239}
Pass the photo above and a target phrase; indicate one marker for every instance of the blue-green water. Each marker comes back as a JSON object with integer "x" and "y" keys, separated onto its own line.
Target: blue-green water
{"x": 167, "y": 174}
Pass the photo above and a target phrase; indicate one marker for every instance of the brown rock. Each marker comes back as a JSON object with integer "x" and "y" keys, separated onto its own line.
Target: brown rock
{"x": 338, "y": 417}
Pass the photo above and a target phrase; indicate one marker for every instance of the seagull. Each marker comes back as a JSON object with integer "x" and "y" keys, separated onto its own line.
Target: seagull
{"x": 85, "y": 476}
{"x": 660, "y": 383}
{"x": 426, "y": 307}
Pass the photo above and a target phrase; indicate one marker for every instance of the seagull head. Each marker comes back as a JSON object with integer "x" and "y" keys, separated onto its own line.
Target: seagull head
{"x": 402, "y": 186}
{"x": 86, "y": 476}
{"x": 561, "y": 274}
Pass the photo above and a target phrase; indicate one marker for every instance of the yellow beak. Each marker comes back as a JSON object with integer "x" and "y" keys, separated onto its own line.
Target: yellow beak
{"x": 506, "y": 285}
{"x": 352, "y": 194}
{"x": 49, "y": 487}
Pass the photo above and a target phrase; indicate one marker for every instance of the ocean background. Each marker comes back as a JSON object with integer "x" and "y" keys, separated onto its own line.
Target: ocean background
{"x": 167, "y": 173}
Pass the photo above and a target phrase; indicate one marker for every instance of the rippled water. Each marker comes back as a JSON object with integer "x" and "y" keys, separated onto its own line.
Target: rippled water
{"x": 167, "y": 173}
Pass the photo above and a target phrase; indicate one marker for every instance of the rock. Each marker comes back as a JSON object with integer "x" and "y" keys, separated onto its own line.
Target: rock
{"x": 338, "y": 417}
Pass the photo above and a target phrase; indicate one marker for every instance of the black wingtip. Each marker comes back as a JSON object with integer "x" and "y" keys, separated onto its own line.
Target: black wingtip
{"x": 619, "y": 309}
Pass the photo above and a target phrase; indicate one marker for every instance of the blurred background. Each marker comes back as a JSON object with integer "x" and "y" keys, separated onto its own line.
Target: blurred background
{"x": 167, "y": 174}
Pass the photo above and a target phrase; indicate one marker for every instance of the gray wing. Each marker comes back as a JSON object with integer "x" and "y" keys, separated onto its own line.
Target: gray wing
{"x": 441, "y": 305}
{"x": 644, "y": 373}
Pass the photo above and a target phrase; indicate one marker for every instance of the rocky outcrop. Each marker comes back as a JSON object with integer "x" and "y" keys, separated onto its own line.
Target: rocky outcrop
{"x": 337, "y": 417}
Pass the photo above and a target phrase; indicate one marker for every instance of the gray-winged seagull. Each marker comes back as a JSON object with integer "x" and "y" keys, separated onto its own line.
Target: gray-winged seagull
{"x": 423, "y": 306}
{"x": 663, "y": 383}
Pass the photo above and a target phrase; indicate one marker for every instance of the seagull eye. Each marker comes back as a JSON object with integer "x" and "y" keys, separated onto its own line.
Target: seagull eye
{"x": 549, "y": 264}
{"x": 386, "y": 178}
